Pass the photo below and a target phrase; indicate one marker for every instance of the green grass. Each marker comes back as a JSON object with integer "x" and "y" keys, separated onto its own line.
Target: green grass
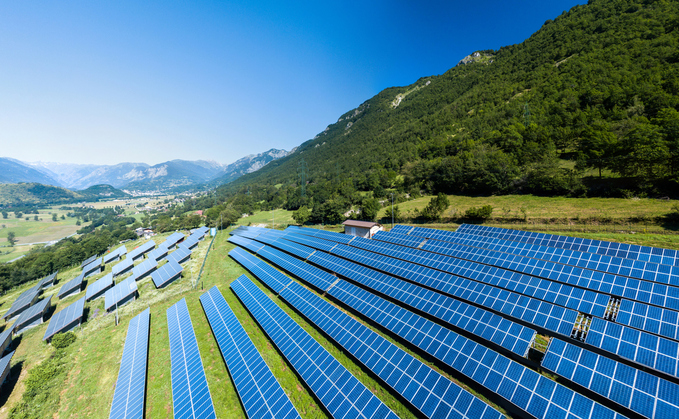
{"x": 44, "y": 230}
{"x": 281, "y": 217}
{"x": 8, "y": 253}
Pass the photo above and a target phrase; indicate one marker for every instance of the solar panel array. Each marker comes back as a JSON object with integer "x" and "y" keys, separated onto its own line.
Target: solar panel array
{"x": 190, "y": 242}
{"x": 65, "y": 319}
{"x": 115, "y": 255}
{"x": 28, "y": 317}
{"x": 139, "y": 251}
{"x": 490, "y": 326}
{"x": 5, "y": 338}
{"x": 621, "y": 250}
{"x": 259, "y": 392}
{"x": 71, "y": 287}
{"x": 96, "y": 289}
{"x": 130, "y": 389}
{"x": 636, "y": 390}
{"x": 5, "y": 365}
{"x": 180, "y": 255}
{"x": 428, "y": 391}
{"x": 190, "y": 394}
{"x": 122, "y": 266}
{"x": 144, "y": 269}
{"x": 22, "y": 302}
{"x": 166, "y": 274}
{"x": 339, "y": 391}
{"x": 158, "y": 254}
{"x": 120, "y": 293}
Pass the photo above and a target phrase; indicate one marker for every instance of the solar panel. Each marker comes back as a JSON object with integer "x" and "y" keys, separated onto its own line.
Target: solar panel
{"x": 6, "y": 338}
{"x": 122, "y": 266}
{"x": 93, "y": 268}
{"x": 98, "y": 288}
{"x": 190, "y": 242}
{"x": 115, "y": 254}
{"x": 190, "y": 394}
{"x": 428, "y": 391}
{"x": 120, "y": 294}
{"x": 32, "y": 316}
{"x": 636, "y": 390}
{"x": 180, "y": 255}
{"x": 25, "y": 300}
{"x": 158, "y": 254}
{"x": 259, "y": 392}
{"x": 5, "y": 366}
{"x": 166, "y": 274}
{"x": 47, "y": 281}
{"x": 74, "y": 286}
{"x": 622, "y": 250}
{"x": 260, "y": 269}
{"x": 88, "y": 261}
{"x": 141, "y": 250}
{"x": 322, "y": 234}
{"x": 246, "y": 243}
{"x": 339, "y": 391}
{"x": 643, "y": 348}
{"x": 66, "y": 319}
{"x": 173, "y": 239}
{"x": 144, "y": 269}
{"x": 130, "y": 389}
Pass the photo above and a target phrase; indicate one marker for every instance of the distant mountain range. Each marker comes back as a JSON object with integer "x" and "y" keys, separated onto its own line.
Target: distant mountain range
{"x": 135, "y": 176}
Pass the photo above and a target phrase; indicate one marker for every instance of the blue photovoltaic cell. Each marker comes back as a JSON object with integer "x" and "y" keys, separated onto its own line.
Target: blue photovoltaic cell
{"x": 492, "y": 327}
{"x": 144, "y": 269}
{"x": 166, "y": 273}
{"x": 321, "y": 234}
{"x": 339, "y": 391}
{"x": 120, "y": 292}
{"x": 190, "y": 394}
{"x": 130, "y": 390}
{"x": 621, "y": 250}
{"x": 262, "y": 396}
{"x": 641, "y": 347}
{"x": 122, "y": 266}
{"x": 402, "y": 239}
{"x": 65, "y": 318}
{"x": 401, "y": 229}
{"x": 636, "y": 390}
{"x": 274, "y": 279}
{"x": 102, "y": 284}
{"x": 509, "y": 379}
{"x": 139, "y": 251}
{"x": 173, "y": 239}
{"x": 115, "y": 254}
{"x": 190, "y": 242}
{"x": 180, "y": 255}
{"x": 274, "y": 240}
{"x": 158, "y": 254}
{"x": 22, "y": 302}
{"x": 431, "y": 393}
{"x": 652, "y": 319}
{"x": 5, "y": 364}
{"x": 70, "y": 286}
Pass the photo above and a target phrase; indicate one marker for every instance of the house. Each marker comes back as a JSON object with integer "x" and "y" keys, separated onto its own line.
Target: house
{"x": 364, "y": 229}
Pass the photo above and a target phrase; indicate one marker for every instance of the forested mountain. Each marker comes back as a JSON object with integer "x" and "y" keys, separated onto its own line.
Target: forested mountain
{"x": 248, "y": 164}
{"x": 595, "y": 88}
{"x": 35, "y": 193}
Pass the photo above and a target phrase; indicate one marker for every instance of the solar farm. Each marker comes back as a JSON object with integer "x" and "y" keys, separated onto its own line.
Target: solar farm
{"x": 477, "y": 323}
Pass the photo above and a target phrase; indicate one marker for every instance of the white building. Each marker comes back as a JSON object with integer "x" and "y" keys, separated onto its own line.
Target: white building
{"x": 366, "y": 229}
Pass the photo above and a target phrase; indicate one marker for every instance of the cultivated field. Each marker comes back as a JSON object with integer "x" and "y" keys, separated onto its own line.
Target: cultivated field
{"x": 43, "y": 230}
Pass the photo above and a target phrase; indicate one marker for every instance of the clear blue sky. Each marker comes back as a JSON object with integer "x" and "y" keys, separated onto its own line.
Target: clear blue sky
{"x": 106, "y": 82}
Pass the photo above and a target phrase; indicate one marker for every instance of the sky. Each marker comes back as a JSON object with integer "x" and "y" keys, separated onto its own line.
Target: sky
{"x": 106, "y": 82}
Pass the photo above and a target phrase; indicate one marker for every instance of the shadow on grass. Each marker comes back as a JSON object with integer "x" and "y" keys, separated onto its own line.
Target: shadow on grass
{"x": 10, "y": 382}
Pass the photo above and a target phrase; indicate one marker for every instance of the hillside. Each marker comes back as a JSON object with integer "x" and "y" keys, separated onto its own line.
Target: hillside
{"x": 594, "y": 89}
{"x": 102, "y": 192}
{"x": 35, "y": 193}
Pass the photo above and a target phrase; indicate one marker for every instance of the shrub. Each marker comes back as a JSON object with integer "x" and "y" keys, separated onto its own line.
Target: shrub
{"x": 63, "y": 340}
{"x": 482, "y": 213}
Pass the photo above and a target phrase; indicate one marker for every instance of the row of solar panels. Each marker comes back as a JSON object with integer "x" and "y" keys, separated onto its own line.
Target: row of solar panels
{"x": 634, "y": 402}
{"x": 644, "y": 348}
{"x": 448, "y": 347}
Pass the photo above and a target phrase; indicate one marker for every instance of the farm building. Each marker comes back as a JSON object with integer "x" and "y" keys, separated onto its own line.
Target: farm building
{"x": 365, "y": 229}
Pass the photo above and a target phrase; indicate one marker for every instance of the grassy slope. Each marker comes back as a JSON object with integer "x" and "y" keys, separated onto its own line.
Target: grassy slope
{"x": 281, "y": 217}
{"x": 39, "y": 231}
